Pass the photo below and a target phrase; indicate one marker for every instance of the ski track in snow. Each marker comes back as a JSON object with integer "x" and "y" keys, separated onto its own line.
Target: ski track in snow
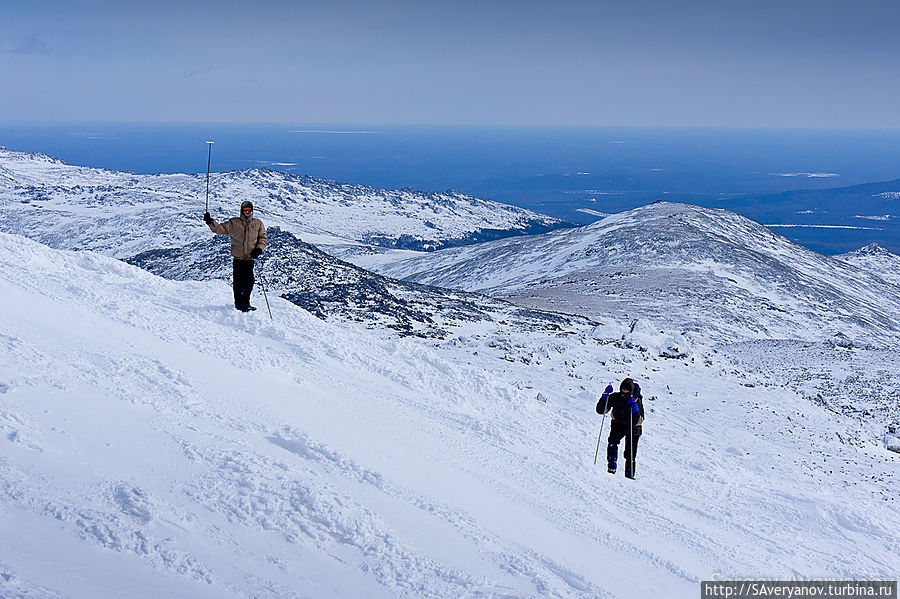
{"x": 237, "y": 456}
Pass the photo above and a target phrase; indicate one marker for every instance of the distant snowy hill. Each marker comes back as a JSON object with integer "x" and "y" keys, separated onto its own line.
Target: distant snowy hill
{"x": 122, "y": 214}
{"x": 877, "y": 260}
{"x": 155, "y": 443}
{"x": 711, "y": 273}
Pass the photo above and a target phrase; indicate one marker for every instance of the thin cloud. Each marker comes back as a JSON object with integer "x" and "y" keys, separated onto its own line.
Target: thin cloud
{"x": 32, "y": 44}
{"x": 808, "y": 175}
{"x": 199, "y": 72}
{"x": 332, "y": 132}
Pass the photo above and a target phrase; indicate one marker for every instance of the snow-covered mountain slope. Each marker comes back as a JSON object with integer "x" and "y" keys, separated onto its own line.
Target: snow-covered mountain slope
{"x": 711, "y": 273}
{"x": 155, "y": 442}
{"x": 877, "y": 260}
{"x": 324, "y": 285}
{"x": 72, "y": 207}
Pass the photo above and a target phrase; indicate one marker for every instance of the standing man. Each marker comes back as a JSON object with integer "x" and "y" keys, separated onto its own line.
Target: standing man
{"x": 248, "y": 240}
{"x": 627, "y": 415}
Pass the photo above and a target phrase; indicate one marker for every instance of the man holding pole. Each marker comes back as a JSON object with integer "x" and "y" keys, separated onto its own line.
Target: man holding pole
{"x": 248, "y": 240}
{"x": 627, "y": 408}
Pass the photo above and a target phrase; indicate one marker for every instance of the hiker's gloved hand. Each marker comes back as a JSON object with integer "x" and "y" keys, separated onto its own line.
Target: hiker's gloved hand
{"x": 255, "y": 253}
{"x": 207, "y": 218}
{"x": 603, "y": 402}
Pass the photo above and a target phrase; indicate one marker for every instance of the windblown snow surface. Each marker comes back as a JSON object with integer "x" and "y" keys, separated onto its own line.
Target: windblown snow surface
{"x": 154, "y": 442}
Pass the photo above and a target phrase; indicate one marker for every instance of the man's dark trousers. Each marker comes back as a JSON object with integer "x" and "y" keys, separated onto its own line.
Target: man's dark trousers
{"x": 243, "y": 283}
{"x": 618, "y": 430}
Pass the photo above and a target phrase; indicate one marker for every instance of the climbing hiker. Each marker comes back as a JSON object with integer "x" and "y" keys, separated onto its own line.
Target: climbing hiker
{"x": 248, "y": 240}
{"x": 627, "y": 407}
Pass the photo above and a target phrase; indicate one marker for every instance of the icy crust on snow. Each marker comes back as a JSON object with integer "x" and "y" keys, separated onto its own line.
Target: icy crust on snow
{"x": 71, "y": 207}
{"x": 709, "y": 273}
{"x": 155, "y": 442}
{"x": 327, "y": 286}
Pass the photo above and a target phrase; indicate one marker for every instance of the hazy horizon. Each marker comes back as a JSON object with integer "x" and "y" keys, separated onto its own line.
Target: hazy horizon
{"x": 575, "y": 173}
{"x": 357, "y": 124}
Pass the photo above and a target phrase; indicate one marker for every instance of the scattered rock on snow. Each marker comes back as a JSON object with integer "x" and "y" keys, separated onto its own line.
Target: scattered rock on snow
{"x": 892, "y": 442}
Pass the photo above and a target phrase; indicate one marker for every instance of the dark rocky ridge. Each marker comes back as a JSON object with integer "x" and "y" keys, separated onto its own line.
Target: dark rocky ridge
{"x": 327, "y": 286}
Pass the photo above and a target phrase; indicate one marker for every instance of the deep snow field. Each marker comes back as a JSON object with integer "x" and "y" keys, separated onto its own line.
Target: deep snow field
{"x": 155, "y": 443}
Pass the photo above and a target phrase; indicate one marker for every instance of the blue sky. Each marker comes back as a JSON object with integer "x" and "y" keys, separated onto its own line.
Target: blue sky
{"x": 643, "y": 62}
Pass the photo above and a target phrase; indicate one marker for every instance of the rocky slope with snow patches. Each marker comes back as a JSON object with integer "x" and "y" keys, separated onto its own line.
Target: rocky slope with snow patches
{"x": 327, "y": 286}
{"x": 118, "y": 213}
{"x": 856, "y": 381}
{"x": 711, "y": 273}
{"x": 877, "y": 260}
{"x": 154, "y": 442}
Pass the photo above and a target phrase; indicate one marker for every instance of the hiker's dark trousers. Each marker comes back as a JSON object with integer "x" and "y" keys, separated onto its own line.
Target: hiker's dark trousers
{"x": 243, "y": 283}
{"x": 618, "y": 430}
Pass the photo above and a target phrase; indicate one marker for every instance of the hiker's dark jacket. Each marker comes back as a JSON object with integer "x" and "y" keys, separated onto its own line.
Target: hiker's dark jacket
{"x": 621, "y": 404}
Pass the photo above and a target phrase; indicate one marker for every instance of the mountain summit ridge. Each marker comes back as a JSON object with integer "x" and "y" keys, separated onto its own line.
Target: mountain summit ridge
{"x": 700, "y": 269}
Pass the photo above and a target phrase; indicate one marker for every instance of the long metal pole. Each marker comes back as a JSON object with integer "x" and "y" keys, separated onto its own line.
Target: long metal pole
{"x": 208, "y": 161}
{"x": 600, "y": 436}
{"x": 631, "y": 438}
{"x": 262, "y": 283}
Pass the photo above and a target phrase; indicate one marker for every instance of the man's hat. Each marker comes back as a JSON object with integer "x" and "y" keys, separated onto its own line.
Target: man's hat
{"x": 247, "y": 204}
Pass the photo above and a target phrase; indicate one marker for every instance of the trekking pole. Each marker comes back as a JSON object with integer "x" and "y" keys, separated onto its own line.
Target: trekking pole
{"x": 262, "y": 283}
{"x": 208, "y": 160}
{"x": 631, "y": 438}
{"x": 600, "y": 436}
